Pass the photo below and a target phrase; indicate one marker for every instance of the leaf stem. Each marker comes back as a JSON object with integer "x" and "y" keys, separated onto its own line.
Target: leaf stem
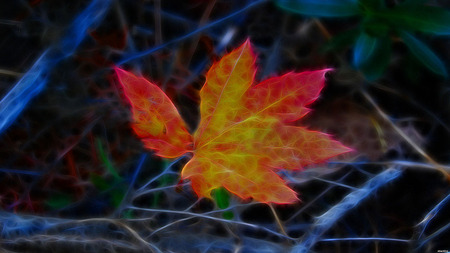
{"x": 280, "y": 225}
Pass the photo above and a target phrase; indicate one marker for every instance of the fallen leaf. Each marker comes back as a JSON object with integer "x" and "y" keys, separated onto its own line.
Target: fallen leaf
{"x": 244, "y": 132}
{"x": 155, "y": 119}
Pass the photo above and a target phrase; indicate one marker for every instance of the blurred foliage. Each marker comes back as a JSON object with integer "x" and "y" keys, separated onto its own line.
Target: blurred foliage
{"x": 379, "y": 24}
{"x": 112, "y": 185}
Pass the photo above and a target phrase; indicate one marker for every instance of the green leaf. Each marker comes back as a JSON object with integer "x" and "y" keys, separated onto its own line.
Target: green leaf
{"x": 105, "y": 160}
{"x": 322, "y": 8}
{"x": 372, "y": 55}
{"x": 222, "y": 197}
{"x": 424, "y": 54}
{"x": 428, "y": 19}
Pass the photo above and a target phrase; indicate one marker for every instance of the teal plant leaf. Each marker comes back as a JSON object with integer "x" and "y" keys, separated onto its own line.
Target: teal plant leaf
{"x": 424, "y": 54}
{"x": 372, "y": 45}
{"x": 423, "y": 18}
{"x": 372, "y": 55}
{"x": 322, "y": 8}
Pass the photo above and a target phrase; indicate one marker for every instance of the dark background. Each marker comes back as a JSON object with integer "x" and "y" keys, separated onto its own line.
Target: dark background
{"x": 75, "y": 178}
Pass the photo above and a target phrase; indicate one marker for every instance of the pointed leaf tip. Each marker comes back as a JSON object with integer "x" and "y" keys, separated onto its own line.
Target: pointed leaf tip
{"x": 155, "y": 118}
{"x": 226, "y": 82}
{"x": 287, "y": 96}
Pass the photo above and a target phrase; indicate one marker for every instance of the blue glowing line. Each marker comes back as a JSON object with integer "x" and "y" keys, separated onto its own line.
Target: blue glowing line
{"x": 161, "y": 174}
{"x": 430, "y": 215}
{"x": 143, "y": 31}
{"x": 435, "y": 234}
{"x": 34, "y": 81}
{"x": 253, "y": 245}
{"x": 33, "y": 173}
{"x": 25, "y": 89}
{"x": 365, "y": 239}
{"x": 138, "y": 170}
{"x": 13, "y": 225}
{"x": 90, "y": 17}
{"x": 319, "y": 196}
{"x": 131, "y": 184}
{"x": 394, "y": 162}
{"x": 198, "y": 30}
{"x": 424, "y": 223}
{"x": 328, "y": 219}
{"x": 140, "y": 193}
{"x": 208, "y": 217}
{"x": 173, "y": 17}
{"x": 336, "y": 183}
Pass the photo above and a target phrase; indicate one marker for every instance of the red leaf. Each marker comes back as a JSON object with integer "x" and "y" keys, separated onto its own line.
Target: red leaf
{"x": 221, "y": 96}
{"x": 155, "y": 118}
{"x": 243, "y": 133}
{"x": 286, "y": 96}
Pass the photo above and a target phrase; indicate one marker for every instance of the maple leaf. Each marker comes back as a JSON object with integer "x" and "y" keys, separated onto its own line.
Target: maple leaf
{"x": 244, "y": 132}
{"x": 155, "y": 118}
